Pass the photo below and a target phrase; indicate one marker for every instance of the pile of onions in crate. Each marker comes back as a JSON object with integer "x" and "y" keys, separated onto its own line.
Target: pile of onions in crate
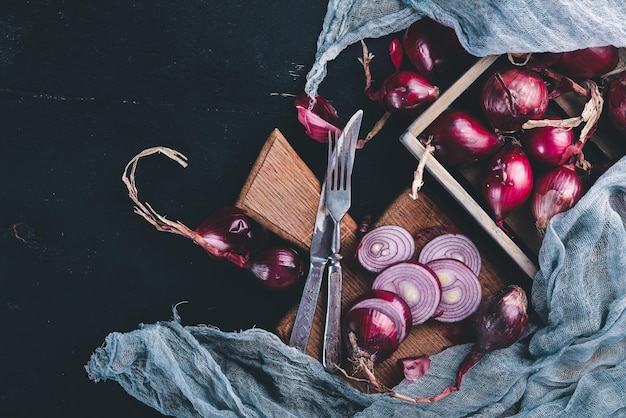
{"x": 440, "y": 284}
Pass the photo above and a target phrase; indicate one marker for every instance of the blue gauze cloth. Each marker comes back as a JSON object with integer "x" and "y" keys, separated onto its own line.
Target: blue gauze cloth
{"x": 484, "y": 27}
{"x": 571, "y": 363}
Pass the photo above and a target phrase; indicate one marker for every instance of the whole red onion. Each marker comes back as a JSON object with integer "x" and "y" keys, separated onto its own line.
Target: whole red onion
{"x": 277, "y": 267}
{"x": 459, "y": 137}
{"x": 548, "y": 145}
{"x": 555, "y": 191}
{"x": 617, "y": 103}
{"x": 432, "y": 47}
{"x": 405, "y": 92}
{"x": 508, "y": 181}
{"x": 230, "y": 230}
{"x": 511, "y": 97}
{"x": 588, "y": 62}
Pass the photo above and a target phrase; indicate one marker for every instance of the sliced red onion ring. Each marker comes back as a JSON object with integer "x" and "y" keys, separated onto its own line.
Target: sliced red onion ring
{"x": 455, "y": 246}
{"x": 391, "y": 305}
{"x": 384, "y": 246}
{"x": 461, "y": 290}
{"x": 414, "y": 282}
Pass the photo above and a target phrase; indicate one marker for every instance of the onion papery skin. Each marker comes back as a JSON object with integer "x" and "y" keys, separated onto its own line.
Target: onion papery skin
{"x": 319, "y": 120}
{"x": 277, "y": 267}
{"x": 432, "y": 47}
{"x": 416, "y": 284}
{"x": 460, "y": 137}
{"x": 555, "y": 191}
{"x": 384, "y": 246}
{"x": 405, "y": 92}
{"x": 369, "y": 328}
{"x": 455, "y": 246}
{"x": 461, "y": 290}
{"x": 588, "y": 62}
{"x": 548, "y": 145}
{"x": 617, "y": 103}
{"x": 392, "y": 304}
{"x": 231, "y": 230}
{"x": 508, "y": 181}
{"x": 511, "y": 97}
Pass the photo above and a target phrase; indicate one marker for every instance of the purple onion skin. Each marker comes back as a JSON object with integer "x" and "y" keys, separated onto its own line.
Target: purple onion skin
{"x": 554, "y": 192}
{"x": 231, "y": 230}
{"x": 511, "y": 97}
{"x": 277, "y": 267}
{"x": 588, "y": 62}
{"x": 499, "y": 322}
{"x": 508, "y": 181}
{"x": 320, "y": 120}
{"x": 548, "y": 145}
{"x": 617, "y": 103}
{"x": 432, "y": 47}
{"x": 460, "y": 138}
{"x": 406, "y": 92}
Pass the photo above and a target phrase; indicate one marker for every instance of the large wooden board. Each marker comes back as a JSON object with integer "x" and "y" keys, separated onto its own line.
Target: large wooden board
{"x": 286, "y": 204}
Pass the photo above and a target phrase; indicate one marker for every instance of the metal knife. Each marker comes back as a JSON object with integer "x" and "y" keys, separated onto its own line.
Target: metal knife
{"x": 319, "y": 253}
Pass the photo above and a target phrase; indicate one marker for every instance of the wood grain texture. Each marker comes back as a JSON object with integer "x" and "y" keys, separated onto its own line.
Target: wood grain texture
{"x": 286, "y": 204}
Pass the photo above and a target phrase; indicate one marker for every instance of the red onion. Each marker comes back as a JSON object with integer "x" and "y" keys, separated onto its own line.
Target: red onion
{"x": 455, "y": 246}
{"x": 319, "y": 119}
{"x": 375, "y": 326}
{"x": 548, "y": 145}
{"x": 416, "y": 284}
{"x": 405, "y": 92}
{"x": 277, "y": 267}
{"x": 432, "y": 47}
{"x": 396, "y": 53}
{"x": 230, "y": 230}
{"x": 227, "y": 233}
{"x": 617, "y": 103}
{"x": 508, "y": 181}
{"x": 555, "y": 191}
{"x": 460, "y": 289}
{"x": 499, "y": 322}
{"x": 384, "y": 246}
{"x": 588, "y": 62}
{"x": 512, "y": 97}
{"x": 459, "y": 137}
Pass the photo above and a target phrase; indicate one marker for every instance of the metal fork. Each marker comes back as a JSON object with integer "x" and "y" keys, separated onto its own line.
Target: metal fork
{"x": 338, "y": 200}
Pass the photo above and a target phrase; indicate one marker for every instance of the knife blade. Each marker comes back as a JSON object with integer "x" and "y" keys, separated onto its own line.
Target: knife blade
{"x": 319, "y": 252}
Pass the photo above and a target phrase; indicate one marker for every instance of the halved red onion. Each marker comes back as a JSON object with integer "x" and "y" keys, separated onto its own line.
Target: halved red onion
{"x": 392, "y": 305}
{"x": 416, "y": 284}
{"x": 459, "y": 137}
{"x": 455, "y": 246}
{"x": 460, "y": 289}
{"x": 512, "y": 97}
{"x": 508, "y": 181}
{"x": 372, "y": 329}
{"x": 588, "y": 62}
{"x": 384, "y": 246}
{"x": 555, "y": 191}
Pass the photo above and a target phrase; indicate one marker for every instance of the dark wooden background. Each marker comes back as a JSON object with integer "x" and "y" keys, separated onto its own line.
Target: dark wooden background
{"x": 84, "y": 86}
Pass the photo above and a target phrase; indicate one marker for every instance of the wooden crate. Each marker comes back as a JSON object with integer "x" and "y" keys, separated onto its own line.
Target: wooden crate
{"x": 522, "y": 242}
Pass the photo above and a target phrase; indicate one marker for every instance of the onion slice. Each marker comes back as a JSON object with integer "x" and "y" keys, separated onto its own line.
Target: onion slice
{"x": 461, "y": 290}
{"x": 455, "y": 246}
{"x": 384, "y": 246}
{"x": 416, "y": 284}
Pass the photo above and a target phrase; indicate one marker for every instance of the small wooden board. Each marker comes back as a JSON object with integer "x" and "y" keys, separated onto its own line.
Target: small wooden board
{"x": 282, "y": 193}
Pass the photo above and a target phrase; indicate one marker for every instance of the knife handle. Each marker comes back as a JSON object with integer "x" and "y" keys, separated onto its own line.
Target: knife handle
{"x": 306, "y": 310}
{"x": 332, "y": 333}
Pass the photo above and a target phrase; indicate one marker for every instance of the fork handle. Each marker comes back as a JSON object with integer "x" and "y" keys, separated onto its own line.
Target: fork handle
{"x": 332, "y": 332}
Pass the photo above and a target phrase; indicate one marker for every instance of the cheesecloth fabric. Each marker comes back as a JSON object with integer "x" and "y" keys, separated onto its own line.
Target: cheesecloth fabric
{"x": 483, "y": 27}
{"x": 571, "y": 363}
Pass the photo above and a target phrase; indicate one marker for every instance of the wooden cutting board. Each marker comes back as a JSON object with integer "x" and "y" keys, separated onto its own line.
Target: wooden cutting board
{"x": 282, "y": 193}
